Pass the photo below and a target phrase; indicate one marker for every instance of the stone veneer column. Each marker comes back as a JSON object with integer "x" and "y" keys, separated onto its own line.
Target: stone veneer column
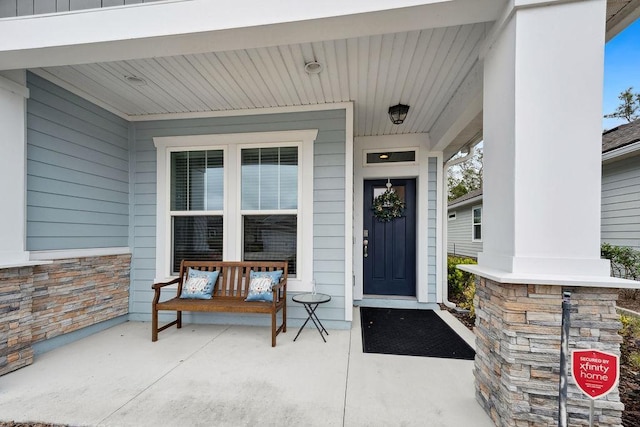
{"x": 517, "y": 363}
{"x": 16, "y": 300}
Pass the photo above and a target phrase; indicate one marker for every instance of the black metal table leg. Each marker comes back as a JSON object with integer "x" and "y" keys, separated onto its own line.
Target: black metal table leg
{"x": 305, "y": 322}
{"x": 314, "y": 318}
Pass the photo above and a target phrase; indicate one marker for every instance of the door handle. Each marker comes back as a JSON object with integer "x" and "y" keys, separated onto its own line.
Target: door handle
{"x": 365, "y": 243}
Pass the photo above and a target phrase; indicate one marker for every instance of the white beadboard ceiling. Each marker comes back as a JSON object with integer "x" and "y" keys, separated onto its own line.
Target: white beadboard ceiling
{"x": 422, "y": 69}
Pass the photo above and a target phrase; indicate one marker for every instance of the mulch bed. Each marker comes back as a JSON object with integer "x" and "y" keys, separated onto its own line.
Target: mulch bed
{"x": 629, "y": 379}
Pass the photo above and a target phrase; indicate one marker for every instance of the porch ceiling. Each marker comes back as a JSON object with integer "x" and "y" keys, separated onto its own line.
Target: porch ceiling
{"x": 435, "y": 71}
{"x": 621, "y": 13}
{"x": 422, "y": 69}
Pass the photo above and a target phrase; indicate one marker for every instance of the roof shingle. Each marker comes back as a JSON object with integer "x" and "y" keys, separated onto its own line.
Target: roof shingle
{"x": 620, "y": 136}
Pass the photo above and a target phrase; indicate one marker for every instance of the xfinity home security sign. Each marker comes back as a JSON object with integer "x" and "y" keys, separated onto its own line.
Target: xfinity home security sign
{"x": 595, "y": 372}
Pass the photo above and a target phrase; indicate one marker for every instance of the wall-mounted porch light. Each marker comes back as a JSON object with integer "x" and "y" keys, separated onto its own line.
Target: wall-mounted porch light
{"x": 398, "y": 113}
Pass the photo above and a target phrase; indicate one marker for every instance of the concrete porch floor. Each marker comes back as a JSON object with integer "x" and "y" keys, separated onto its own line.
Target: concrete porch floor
{"x": 215, "y": 375}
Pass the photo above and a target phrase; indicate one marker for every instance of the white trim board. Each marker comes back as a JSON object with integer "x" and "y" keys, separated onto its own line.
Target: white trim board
{"x": 14, "y": 87}
{"x": 587, "y": 281}
{"x": 77, "y": 253}
{"x": 419, "y": 171}
{"x": 473, "y": 200}
{"x": 626, "y": 151}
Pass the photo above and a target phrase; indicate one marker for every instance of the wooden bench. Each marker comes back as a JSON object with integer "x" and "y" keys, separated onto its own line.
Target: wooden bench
{"x": 231, "y": 289}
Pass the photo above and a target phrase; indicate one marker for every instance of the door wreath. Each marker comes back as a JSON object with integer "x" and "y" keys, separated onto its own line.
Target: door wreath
{"x": 388, "y": 206}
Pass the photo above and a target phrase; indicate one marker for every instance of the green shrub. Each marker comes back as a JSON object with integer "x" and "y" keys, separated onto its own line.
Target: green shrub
{"x": 461, "y": 285}
{"x": 625, "y": 263}
{"x": 634, "y": 360}
{"x": 630, "y": 332}
{"x": 469, "y": 293}
{"x": 630, "y": 326}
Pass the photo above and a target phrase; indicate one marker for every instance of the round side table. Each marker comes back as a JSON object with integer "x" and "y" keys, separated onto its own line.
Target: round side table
{"x": 311, "y": 301}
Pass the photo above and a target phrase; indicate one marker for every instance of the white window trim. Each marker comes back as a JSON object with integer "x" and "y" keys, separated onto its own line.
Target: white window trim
{"x": 232, "y": 144}
{"x": 473, "y": 224}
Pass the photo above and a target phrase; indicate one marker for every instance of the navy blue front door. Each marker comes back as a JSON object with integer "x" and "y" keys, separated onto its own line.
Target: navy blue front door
{"x": 390, "y": 256}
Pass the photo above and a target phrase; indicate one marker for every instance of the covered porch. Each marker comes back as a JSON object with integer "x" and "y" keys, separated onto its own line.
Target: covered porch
{"x": 219, "y": 375}
{"x": 127, "y": 131}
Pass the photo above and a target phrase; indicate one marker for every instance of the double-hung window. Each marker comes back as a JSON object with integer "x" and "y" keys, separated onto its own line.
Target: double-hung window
{"x": 477, "y": 224}
{"x": 269, "y": 204}
{"x": 197, "y": 203}
{"x": 236, "y": 197}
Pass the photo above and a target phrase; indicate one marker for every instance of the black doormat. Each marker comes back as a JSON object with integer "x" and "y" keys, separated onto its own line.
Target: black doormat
{"x": 411, "y": 333}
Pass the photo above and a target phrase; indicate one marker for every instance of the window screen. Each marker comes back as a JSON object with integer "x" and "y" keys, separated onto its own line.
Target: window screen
{"x": 197, "y": 185}
{"x": 270, "y": 183}
{"x": 477, "y": 223}
{"x": 271, "y": 238}
{"x": 196, "y": 238}
{"x": 197, "y": 180}
{"x": 270, "y": 178}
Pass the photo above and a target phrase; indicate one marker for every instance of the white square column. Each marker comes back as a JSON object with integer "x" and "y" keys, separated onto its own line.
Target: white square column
{"x": 543, "y": 79}
{"x": 13, "y": 109}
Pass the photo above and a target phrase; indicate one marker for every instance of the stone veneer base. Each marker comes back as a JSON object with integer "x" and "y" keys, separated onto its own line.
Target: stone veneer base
{"x": 16, "y": 302}
{"x": 40, "y": 302}
{"x": 518, "y": 330}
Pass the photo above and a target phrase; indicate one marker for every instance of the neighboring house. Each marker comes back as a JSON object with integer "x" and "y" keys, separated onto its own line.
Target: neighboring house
{"x": 621, "y": 185}
{"x": 464, "y": 225}
{"x": 620, "y": 221}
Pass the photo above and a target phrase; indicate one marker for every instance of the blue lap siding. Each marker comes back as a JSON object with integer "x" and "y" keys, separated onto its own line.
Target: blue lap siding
{"x": 77, "y": 172}
{"x": 91, "y": 183}
{"x": 329, "y": 198}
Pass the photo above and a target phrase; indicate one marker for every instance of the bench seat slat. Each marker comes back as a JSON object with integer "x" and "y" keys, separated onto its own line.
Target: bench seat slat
{"x": 217, "y": 304}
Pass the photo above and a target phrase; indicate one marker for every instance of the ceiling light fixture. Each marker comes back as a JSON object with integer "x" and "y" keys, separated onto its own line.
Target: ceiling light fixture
{"x": 135, "y": 80}
{"x": 383, "y": 156}
{"x": 398, "y": 113}
{"x": 313, "y": 67}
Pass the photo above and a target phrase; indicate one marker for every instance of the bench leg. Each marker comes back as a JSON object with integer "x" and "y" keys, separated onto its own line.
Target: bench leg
{"x": 273, "y": 328}
{"x": 154, "y": 325}
{"x": 284, "y": 317}
{"x": 179, "y": 320}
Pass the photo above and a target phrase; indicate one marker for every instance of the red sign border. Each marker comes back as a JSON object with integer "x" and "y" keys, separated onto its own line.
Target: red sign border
{"x": 591, "y": 350}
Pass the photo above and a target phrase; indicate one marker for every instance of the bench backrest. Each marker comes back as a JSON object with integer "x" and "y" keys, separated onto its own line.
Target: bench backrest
{"x": 233, "y": 277}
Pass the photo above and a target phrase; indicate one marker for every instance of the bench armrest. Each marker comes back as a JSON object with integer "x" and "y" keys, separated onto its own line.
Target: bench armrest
{"x": 279, "y": 290}
{"x": 282, "y": 284}
{"x": 163, "y": 284}
{"x": 157, "y": 287}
